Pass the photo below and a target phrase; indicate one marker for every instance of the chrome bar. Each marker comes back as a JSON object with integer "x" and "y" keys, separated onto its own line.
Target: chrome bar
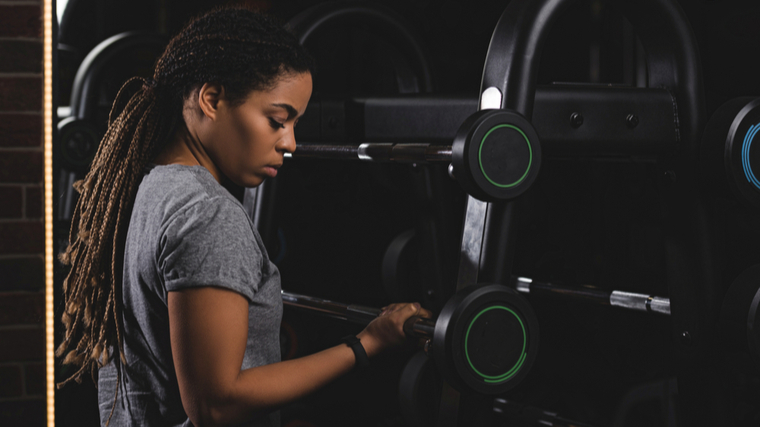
{"x": 660, "y": 305}
{"x": 532, "y": 415}
{"x": 378, "y": 152}
{"x": 415, "y": 326}
{"x": 354, "y": 313}
{"x": 324, "y": 152}
{"x": 419, "y": 327}
{"x": 523, "y": 284}
{"x": 628, "y": 300}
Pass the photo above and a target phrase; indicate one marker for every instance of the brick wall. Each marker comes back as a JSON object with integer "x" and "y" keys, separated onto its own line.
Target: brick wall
{"x": 22, "y": 309}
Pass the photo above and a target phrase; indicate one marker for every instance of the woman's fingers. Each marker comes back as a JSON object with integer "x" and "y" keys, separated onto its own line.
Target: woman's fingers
{"x": 387, "y": 330}
{"x": 425, "y": 313}
{"x": 415, "y": 308}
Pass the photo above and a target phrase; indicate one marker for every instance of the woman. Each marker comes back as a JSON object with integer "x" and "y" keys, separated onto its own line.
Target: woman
{"x": 171, "y": 295}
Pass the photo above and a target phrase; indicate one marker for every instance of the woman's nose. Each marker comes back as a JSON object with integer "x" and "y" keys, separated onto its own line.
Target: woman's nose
{"x": 288, "y": 142}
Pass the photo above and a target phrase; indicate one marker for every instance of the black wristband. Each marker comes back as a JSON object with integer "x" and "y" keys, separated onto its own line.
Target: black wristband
{"x": 362, "y": 360}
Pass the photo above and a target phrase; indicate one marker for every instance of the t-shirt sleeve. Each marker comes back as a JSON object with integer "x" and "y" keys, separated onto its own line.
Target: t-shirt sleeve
{"x": 210, "y": 243}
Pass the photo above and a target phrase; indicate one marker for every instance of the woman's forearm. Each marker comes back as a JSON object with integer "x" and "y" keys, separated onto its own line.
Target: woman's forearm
{"x": 262, "y": 389}
{"x": 208, "y": 328}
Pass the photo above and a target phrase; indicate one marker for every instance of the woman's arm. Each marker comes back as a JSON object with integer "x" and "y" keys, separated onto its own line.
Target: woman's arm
{"x": 209, "y": 330}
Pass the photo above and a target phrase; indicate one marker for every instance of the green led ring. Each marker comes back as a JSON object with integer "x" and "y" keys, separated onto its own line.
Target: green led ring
{"x": 509, "y": 374}
{"x": 480, "y": 157}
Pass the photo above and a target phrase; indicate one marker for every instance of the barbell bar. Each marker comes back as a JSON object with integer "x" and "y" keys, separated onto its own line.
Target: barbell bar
{"x": 622, "y": 299}
{"x": 423, "y": 328}
{"x": 379, "y": 152}
{"x": 415, "y": 326}
{"x": 485, "y": 338}
{"x": 495, "y": 154}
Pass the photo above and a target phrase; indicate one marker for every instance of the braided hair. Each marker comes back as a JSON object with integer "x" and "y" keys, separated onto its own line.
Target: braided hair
{"x": 237, "y": 48}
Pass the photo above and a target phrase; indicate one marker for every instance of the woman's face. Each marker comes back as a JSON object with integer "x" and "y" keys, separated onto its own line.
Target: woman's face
{"x": 249, "y": 140}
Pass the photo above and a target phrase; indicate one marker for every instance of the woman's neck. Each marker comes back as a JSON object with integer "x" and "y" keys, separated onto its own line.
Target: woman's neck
{"x": 185, "y": 149}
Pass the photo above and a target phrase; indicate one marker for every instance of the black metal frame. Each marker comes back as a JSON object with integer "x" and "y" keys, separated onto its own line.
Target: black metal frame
{"x": 673, "y": 64}
{"x": 616, "y": 121}
{"x": 675, "y": 92}
{"x": 83, "y": 105}
{"x": 488, "y": 243}
{"x": 91, "y": 70}
{"x": 386, "y": 22}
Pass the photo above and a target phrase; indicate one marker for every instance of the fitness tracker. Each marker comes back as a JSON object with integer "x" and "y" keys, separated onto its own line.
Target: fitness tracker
{"x": 362, "y": 360}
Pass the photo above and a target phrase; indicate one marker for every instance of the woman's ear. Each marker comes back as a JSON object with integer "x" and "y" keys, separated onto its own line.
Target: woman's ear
{"x": 209, "y": 96}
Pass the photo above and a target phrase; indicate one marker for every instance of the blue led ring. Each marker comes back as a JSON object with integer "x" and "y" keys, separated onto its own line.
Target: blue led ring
{"x": 745, "y": 155}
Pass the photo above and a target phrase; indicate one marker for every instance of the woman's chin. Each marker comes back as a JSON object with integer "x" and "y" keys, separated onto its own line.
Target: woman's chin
{"x": 252, "y": 181}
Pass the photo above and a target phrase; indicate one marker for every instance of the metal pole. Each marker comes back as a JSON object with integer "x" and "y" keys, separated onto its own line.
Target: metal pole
{"x": 623, "y": 299}
{"x": 416, "y": 326}
{"x": 376, "y": 152}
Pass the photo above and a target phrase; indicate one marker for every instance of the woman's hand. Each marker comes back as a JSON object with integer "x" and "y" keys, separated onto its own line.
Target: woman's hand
{"x": 387, "y": 330}
{"x": 209, "y": 329}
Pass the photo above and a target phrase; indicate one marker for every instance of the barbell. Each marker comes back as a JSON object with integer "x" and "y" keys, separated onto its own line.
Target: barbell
{"x": 495, "y": 154}
{"x": 621, "y": 299}
{"x": 485, "y": 339}
{"x": 486, "y": 336}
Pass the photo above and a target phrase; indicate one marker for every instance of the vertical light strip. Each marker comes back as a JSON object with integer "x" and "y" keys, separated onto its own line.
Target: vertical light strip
{"x": 47, "y": 105}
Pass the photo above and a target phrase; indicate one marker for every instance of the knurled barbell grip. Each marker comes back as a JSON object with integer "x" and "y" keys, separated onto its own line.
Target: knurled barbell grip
{"x": 415, "y": 326}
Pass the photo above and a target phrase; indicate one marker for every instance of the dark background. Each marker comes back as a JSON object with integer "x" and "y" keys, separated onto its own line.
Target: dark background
{"x": 584, "y": 222}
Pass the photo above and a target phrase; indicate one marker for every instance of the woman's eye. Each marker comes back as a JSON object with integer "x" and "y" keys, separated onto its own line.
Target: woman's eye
{"x": 275, "y": 124}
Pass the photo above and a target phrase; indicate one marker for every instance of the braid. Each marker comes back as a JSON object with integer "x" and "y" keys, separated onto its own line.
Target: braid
{"x": 96, "y": 239}
{"x": 239, "y": 49}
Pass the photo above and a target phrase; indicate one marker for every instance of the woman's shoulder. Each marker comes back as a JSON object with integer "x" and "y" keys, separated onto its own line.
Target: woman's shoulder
{"x": 167, "y": 191}
{"x": 179, "y": 178}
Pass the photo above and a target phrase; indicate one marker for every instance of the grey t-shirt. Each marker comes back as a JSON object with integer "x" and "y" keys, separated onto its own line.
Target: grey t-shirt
{"x": 186, "y": 231}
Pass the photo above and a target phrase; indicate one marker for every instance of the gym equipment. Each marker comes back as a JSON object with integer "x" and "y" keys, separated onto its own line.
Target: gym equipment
{"x": 80, "y": 132}
{"x": 485, "y": 339}
{"x": 622, "y": 299}
{"x": 418, "y": 391}
{"x": 729, "y": 157}
{"x": 399, "y": 272}
{"x": 509, "y": 82}
{"x": 530, "y": 414}
{"x": 488, "y": 244}
{"x": 349, "y": 312}
{"x": 740, "y": 314}
{"x": 659, "y": 124}
{"x": 410, "y": 63}
{"x": 607, "y": 131}
{"x": 663, "y": 394}
{"x": 90, "y": 73}
{"x": 79, "y": 140}
{"x": 496, "y": 154}
{"x": 413, "y": 73}
{"x": 376, "y": 152}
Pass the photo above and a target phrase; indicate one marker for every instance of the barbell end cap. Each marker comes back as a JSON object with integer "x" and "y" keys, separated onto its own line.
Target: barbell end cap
{"x": 496, "y": 155}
